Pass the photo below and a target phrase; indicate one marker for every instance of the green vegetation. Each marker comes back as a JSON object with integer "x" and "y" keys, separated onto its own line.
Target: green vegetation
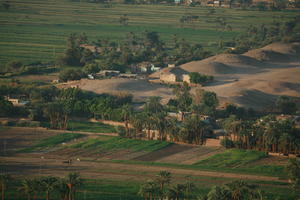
{"x": 53, "y": 141}
{"x": 196, "y": 77}
{"x": 293, "y": 169}
{"x": 104, "y": 143}
{"x": 94, "y": 127}
{"x": 37, "y": 30}
{"x": 104, "y": 189}
{"x": 232, "y": 158}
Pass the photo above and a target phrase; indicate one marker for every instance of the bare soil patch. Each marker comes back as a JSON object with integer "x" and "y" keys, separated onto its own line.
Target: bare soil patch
{"x": 165, "y": 152}
{"x": 141, "y": 89}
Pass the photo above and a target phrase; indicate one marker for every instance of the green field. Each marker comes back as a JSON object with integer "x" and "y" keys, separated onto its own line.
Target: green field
{"x": 35, "y": 30}
{"x": 106, "y": 143}
{"x": 232, "y": 158}
{"x": 112, "y": 179}
{"x": 53, "y": 141}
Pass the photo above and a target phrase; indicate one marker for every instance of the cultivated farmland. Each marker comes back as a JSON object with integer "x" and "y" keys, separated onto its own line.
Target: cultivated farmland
{"x": 35, "y": 30}
{"x": 111, "y": 171}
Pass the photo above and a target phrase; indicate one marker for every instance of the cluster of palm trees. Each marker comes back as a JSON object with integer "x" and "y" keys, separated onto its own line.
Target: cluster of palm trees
{"x": 154, "y": 120}
{"x": 265, "y": 134}
{"x": 160, "y": 188}
{"x": 236, "y": 190}
{"x": 66, "y": 187}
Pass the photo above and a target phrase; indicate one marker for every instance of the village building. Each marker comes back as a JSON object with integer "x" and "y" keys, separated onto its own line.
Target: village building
{"x": 144, "y": 68}
{"x": 92, "y": 48}
{"x": 17, "y": 100}
{"x": 133, "y": 76}
{"x": 107, "y": 73}
{"x": 173, "y": 75}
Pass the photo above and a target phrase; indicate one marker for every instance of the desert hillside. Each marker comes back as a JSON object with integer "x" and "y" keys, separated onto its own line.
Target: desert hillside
{"x": 256, "y": 78}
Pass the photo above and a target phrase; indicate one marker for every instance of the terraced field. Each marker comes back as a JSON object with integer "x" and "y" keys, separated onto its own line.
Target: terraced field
{"x": 34, "y": 30}
{"x": 107, "y": 162}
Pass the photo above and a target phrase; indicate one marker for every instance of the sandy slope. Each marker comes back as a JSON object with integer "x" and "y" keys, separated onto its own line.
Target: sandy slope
{"x": 141, "y": 89}
{"x": 256, "y": 78}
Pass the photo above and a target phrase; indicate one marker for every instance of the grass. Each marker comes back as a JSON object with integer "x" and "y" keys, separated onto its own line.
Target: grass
{"x": 53, "y": 141}
{"x": 94, "y": 127}
{"x": 34, "y": 30}
{"x": 109, "y": 144}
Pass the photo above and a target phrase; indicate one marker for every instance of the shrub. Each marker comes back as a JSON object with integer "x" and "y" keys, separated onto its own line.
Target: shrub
{"x": 15, "y": 65}
{"x": 71, "y": 74}
{"x": 121, "y": 131}
{"x": 227, "y": 143}
{"x": 196, "y": 77}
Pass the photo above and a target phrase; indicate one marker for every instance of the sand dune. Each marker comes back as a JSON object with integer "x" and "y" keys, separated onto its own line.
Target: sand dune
{"x": 224, "y": 64}
{"x": 254, "y": 79}
{"x": 276, "y": 52}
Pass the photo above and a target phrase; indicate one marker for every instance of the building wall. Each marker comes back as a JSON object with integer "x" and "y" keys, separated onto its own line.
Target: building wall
{"x": 168, "y": 77}
{"x": 186, "y": 78}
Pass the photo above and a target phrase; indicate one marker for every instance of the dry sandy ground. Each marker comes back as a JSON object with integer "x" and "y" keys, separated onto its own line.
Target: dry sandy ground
{"x": 254, "y": 79}
{"x": 141, "y": 89}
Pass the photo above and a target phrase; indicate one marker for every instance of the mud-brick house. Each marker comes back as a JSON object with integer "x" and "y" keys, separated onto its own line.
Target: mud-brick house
{"x": 170, "y": 74}
{"x": 20, "y": 100}
{"x": 107, "y": 73}
{"x": 174, "y": 74}
{"x": 144, "y": 68}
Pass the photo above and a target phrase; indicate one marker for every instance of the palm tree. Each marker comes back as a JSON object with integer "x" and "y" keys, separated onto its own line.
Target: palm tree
{"x": 160, "y": 124}
{"x": 27, "y": 187}
{"x": 176, "y": 192}
{"x": 293, "y": 169}
{"x": 4, "y": 179}
{"x": 63, "y": 189}
{"x": 48, "y": 184}
{"x": 137, "y": 121}
{"x": 73, "y": 181}
{"x": 162, "y": 178}
{"x": 37, "y": 187}
{"x": 219, "y": 193}
{"x": 189, "y": 188}
{"x": 149, "y": 190}
{"x": 241, "y": 190}
{"x": 172, "y": 129}
{"x": 194, "y": 130}
{"x": 126, "y": 114}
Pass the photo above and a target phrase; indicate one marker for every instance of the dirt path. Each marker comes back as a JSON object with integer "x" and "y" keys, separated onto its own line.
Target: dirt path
{"x": 21, "y": 165}
{"x": 165, "y": 152}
